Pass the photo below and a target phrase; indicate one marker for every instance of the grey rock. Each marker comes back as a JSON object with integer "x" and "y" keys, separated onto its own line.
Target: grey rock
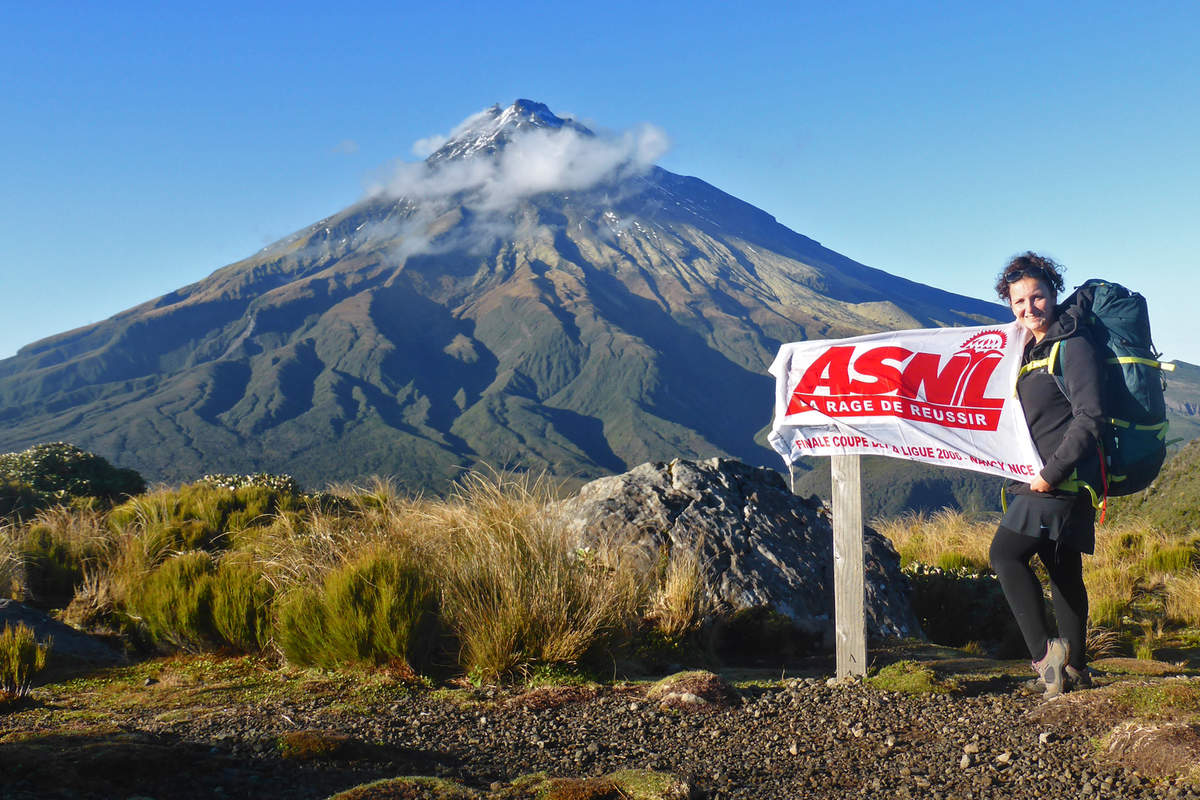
{"x": 763, "y": 545}
{"x": 67, "y": 642}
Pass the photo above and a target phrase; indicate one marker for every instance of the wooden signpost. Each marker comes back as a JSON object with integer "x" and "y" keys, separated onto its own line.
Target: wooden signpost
{"x": 849, "y": 591}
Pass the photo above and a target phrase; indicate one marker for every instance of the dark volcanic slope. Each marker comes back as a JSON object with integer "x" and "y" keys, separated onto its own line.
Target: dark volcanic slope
{"x": 584, "y": 332}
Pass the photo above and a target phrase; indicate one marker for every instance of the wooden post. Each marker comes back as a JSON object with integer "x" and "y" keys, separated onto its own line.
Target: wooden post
{"x": 849, "y": 592}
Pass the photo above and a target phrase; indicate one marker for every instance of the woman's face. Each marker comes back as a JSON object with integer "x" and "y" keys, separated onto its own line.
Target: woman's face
{"x": 1032, "y": 303}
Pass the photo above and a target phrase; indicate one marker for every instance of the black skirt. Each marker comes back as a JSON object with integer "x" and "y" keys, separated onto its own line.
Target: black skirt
{"x": 1067, "y": 520}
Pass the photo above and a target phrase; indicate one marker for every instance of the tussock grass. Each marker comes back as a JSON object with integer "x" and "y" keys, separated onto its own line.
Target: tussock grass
{"x": 21, "y": 657}
{"x": 1183, "y": 599}
{"x": 379, "y": 609}
{"x": 515, "y": 588}
{"x": 946, "y": 539}
{"x": 9, "y": 562}
{"x": 681, "y": 601}
{"x": 362, "y": 575}
{"x": 43, "y": 560}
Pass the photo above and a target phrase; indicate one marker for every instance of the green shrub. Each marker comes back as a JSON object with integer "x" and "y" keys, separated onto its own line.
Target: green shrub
{"x": 21, "y": 657}
{"x": 175, "y": 602}
{"x": 379, "y": 609}
{"x": 50, "y": 568}
{"x": 261, "y": 480}
{"x": 61, "y": 471}
{"x": 18, "y": 499}
{"x": 241, "y": 604}
{"x": 194, "y": 602}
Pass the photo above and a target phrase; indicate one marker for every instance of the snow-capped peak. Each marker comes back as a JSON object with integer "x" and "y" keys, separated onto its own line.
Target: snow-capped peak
{"x": 490, "y": 130}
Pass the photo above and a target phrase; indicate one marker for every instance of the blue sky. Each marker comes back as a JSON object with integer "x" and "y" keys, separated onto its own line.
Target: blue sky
{"x": 143, "y": 146}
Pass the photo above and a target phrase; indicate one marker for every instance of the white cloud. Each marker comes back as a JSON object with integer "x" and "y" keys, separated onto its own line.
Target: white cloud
{"x": 422, "y": 148}
{"x": 534, "y": 161}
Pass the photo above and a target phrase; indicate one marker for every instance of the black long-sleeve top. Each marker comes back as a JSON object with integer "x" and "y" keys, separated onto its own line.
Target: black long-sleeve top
{"x": 1065, "y": 431}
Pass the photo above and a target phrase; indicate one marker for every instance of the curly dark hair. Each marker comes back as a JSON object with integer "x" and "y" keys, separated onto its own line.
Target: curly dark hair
{"x": 1030, "y": 265}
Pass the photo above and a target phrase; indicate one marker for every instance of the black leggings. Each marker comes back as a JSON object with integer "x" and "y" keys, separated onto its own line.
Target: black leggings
{"x": 1010, "y": 555}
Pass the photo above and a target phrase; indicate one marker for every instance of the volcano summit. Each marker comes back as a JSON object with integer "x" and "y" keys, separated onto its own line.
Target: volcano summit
{"x": 532, "y": 294}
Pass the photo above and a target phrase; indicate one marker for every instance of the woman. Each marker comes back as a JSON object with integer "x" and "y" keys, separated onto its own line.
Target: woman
{"x": 1051, "y": 516}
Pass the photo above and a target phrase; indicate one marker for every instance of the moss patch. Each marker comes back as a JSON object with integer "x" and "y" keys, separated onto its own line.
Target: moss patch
{"x": 1172, "y": 699}
{"x": 1134, "y": 666}
{"x": 911, "y": 677}
{"x": 629, "y": 784}
{"x": 646, "y": 784}
{"x": 408, "y": 788}
{"x": 310, "y": 744}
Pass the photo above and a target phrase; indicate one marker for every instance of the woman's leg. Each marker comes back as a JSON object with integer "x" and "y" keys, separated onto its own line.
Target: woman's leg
{"x": 1009, "y": 556}
{"x": 1069, "y": 596}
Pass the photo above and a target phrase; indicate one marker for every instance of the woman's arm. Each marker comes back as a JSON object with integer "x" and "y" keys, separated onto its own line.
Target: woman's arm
{"x": 1084, "y": 383}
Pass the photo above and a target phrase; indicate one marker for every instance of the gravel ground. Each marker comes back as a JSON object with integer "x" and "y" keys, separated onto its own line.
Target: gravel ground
{"x": 799, "y": 738}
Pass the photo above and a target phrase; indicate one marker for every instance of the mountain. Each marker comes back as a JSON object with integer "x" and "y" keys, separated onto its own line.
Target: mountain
{"x": 533, "y": 295}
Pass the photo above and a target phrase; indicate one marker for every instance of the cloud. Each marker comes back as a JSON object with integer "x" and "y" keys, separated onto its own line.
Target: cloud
{"x": 347, "y": 146}
{"x": 534, "y": 161}
{"x": 422, "y": 148}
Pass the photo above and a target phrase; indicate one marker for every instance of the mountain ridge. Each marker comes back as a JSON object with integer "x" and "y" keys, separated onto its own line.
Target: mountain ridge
{"x": 579, "y": 329}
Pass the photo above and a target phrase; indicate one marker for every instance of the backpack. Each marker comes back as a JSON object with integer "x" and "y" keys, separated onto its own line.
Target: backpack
{"x": 1133, "y": 440}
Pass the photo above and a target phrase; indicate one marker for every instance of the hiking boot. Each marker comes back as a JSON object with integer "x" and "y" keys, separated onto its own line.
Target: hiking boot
{"x": 1078, "y": 678}
{"x": 1052, "y": 668}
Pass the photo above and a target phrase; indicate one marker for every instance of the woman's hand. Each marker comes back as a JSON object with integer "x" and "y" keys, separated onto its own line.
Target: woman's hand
{"x": 1039, "y": 485}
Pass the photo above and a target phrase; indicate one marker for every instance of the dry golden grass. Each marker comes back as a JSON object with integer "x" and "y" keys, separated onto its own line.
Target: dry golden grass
{"x": 682, "y": 600}
{"x": 39, "y": 556}
{"x": 945, "y": 538}
{"x": 515, "y": 587}
{"x": 1183, "y": 599}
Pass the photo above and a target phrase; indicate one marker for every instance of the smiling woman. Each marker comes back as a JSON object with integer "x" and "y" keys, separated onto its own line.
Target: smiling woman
{"x": 1051, "y": 516}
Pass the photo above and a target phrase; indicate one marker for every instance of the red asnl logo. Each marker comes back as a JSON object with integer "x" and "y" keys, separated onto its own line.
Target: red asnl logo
{"x": 893, "y": 381}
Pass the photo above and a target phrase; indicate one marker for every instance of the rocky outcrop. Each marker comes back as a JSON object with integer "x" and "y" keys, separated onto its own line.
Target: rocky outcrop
{"x": 763, "y": 545}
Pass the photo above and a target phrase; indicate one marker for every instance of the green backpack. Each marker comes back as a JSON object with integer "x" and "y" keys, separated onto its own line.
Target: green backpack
{"x": 1133, "y": 441}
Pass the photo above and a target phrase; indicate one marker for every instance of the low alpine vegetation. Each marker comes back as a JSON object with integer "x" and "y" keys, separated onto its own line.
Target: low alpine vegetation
{"x": 486, "y": 582}
{"x": 21, "y": 657}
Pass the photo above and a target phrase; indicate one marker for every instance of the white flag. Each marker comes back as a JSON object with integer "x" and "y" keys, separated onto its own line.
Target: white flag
{"x": 943, "y": 396}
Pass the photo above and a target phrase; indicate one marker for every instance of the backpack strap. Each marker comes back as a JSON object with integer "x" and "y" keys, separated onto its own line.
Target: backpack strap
{"x": 1048, "y": 362}
{"x": 1165, "y": 366}
{"x": 1099, "y": 499}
